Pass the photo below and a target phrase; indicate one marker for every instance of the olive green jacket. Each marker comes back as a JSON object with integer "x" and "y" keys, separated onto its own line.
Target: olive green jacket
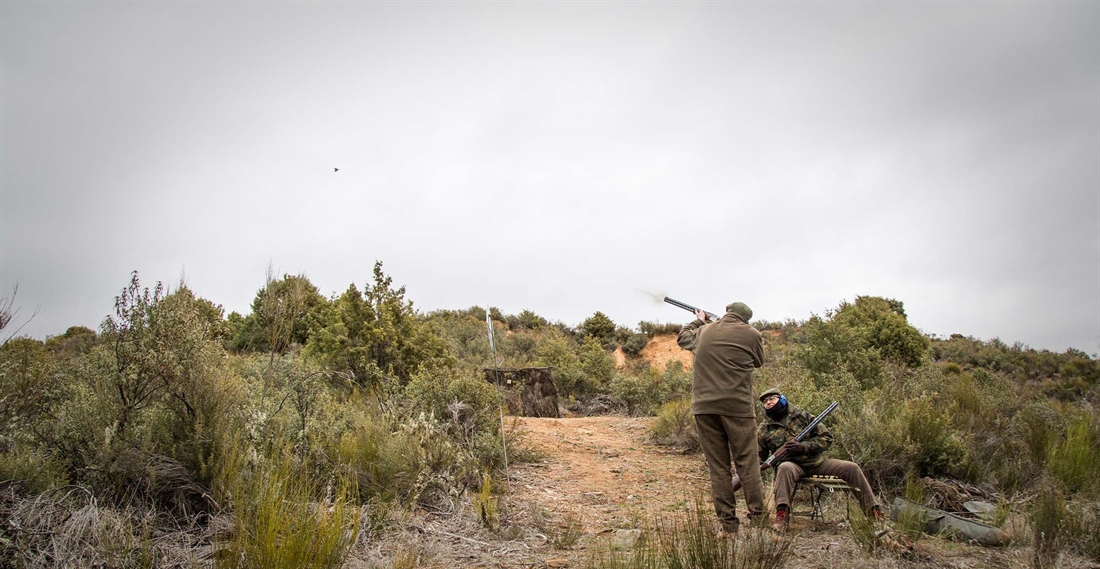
{"x": 726, "y": 351}
{"x": 771, "y": 435}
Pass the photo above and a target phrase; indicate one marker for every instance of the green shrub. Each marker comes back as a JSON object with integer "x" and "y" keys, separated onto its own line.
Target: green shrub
{"x": 859, "y": 338}
{"x": 465, "y": 402}
{"x": 675, "y": 425}
{"x": 596, "y": 364}
{"x": 634, "y": 344}
{"x": 677, "y": 379}
{"x": 559, "y": 351}
{"x": 894, "y": 439}
{"x": 935, "y": 446}
{"x": 600, "y": 327}
{"x": 527, "y": 320}
{"x": 640, "y": 394}
{"x": 285, "y": 518}
{"x": 144, "y": 412}
{"x": 33, "y": 471}
{"x": 282, "y": 313}
{"x": 967, "y": 399}
{"x": 1075, "y": 460}
{"x": 76, "y": 341}
{"x": 652, "y": 329}
{"x": 1039, "y": 426}
{"x": 386, "y": 463}
{"x": 375, "y": 336}
{"x": 29, "y": 387}
{"x": 518, "y": 348}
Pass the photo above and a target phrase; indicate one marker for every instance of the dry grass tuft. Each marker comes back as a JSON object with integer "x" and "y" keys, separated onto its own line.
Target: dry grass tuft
{"x": 67, "y": 527}
{"x": 689, "y": 540}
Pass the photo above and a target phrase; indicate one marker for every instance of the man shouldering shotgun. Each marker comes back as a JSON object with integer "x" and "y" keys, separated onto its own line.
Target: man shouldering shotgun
{"x": 726, "y": 351}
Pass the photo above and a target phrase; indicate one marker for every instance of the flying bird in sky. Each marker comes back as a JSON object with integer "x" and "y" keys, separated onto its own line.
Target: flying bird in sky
{"x": 335, "y": 169}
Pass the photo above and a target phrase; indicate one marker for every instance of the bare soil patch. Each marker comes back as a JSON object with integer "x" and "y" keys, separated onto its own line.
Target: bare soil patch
{"x": 663, "y": 349}
{"x": 602, "y": 474}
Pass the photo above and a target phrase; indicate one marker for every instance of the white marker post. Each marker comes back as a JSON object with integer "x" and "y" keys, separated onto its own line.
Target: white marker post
{"x": 496, "y": 374}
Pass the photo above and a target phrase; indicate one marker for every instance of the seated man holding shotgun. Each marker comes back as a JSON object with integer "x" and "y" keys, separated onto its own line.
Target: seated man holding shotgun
{"x": 776, "y": 435}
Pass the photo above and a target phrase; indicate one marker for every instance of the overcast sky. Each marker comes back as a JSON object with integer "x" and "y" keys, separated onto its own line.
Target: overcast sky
{"x": 562, "y": 157}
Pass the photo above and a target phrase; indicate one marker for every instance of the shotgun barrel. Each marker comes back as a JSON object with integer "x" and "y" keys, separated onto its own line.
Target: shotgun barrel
{"x": 689, "y": 307}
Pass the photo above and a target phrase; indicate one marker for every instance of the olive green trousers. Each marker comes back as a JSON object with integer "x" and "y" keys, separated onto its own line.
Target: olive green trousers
{"x": 725, "y": 440}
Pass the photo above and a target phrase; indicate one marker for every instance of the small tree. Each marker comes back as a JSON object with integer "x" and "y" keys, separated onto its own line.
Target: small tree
{"x": 27, "y": 387}
{"x": 530, "y": 320}
{"x": 600, "y": 327}
{"x": 77, "y": 340}
{"x": 858, "y": 337}
{"x": 282, "y": 313}
{"x": 375, "y": 335}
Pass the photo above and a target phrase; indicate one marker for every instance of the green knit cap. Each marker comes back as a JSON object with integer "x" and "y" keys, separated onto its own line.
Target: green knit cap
{"x": 741, "y": 309}
{"x": 769, "y": 393}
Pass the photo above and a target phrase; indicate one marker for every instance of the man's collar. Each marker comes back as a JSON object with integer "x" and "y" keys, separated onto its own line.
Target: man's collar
{"x": 733, "y": 316}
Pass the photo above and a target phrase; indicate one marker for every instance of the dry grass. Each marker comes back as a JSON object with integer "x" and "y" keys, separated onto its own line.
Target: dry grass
{"x": 689, "y": 540}
{"x": 67, "y": 527}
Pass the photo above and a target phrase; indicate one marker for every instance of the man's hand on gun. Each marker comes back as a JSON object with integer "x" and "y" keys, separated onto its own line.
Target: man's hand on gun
{"x": 792, "y": 448}
{"x": 701, "y": 314}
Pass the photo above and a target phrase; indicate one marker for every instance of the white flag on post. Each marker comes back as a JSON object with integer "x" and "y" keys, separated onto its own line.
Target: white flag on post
{"x": 489, "y": 323}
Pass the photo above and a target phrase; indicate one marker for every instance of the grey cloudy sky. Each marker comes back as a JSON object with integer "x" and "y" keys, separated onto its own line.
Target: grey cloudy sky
{"x": 562, "y": 157}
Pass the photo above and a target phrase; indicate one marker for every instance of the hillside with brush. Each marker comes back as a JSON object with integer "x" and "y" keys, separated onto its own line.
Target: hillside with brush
{"x": 352, "y": 430}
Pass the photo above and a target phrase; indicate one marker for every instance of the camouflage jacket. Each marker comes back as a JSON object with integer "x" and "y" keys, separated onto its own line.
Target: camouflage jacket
{"x": 772, "y": 434}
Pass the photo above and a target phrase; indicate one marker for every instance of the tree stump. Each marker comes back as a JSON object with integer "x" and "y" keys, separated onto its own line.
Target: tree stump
{"x": 539, "y": 395}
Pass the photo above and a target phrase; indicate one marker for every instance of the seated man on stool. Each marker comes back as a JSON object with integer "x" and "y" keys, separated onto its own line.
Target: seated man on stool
{"x": 782, "y": 423}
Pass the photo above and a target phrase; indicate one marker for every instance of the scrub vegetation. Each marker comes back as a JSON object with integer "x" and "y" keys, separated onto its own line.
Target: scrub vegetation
{"x": 300, "y": 434}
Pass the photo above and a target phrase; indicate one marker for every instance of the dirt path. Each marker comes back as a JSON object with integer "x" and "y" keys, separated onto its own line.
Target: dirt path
{"x": 606, "y": 473}
{"x": 605, "y": 470}
{"x": 601, "y": 475}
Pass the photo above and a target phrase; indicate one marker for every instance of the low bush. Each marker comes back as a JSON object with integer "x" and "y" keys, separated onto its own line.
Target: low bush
{"x": 284, "y": 517}
{"x": 33, "y": 471}
{"x": 675, "y": 425}
{"x": 894, "y": 439}
{"x": 639, "y": 394}
{"x": 634, "y": 344}
{"x": 386, "y": 462}
{"x": 652, "y": 329}
{"x": 1075, "y": 460}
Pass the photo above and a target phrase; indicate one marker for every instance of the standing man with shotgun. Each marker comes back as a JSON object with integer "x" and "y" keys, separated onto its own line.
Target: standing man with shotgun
{"x": 726, "y": 352}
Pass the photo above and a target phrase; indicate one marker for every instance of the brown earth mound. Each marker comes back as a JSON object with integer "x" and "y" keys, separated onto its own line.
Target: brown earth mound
{"x": 663, "y": 349}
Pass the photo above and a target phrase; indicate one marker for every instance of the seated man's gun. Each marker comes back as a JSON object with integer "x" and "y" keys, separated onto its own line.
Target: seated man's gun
{"x": 779, "y": 454}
